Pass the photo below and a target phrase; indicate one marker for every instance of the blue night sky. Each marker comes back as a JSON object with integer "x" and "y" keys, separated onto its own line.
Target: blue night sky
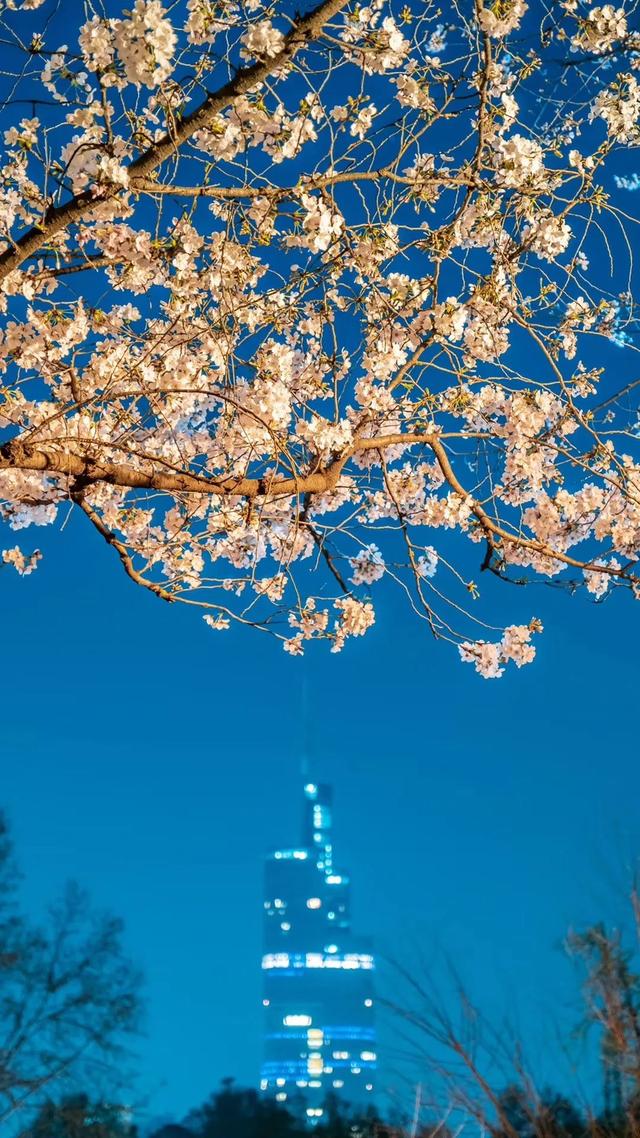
{"x": 155, "y": 761}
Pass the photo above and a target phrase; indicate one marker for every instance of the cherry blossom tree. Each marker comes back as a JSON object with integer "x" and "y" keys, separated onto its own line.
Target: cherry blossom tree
{"x": 300, "y": 307}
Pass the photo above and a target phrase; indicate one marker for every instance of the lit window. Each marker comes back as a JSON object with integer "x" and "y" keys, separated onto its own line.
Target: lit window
{"x": 301, "y": 1082}
{"x": 314, "y": 903}
{"x": 296, "y": 1021}
{"x": 280, "y": 904}
{"x": 368, "y": 1056}
{"x": 280, "y": 1082}
{"x": 281, "y": 1096}
{"x": 314, "y": 1065}
{"x": 338, "y": 1082}
{"x": 301, "y": 855}
{"x": 331, "y": 948}
{"x": 314, "y": 1112}
{"x": 356, "y": 1070}
{"x": 315, "y": 1037}
{"x": 368, "y": 1003}
{"x": 276, "y": 960}
{"x": 341, "y": 1055}
{"x": 315, "y": 1083}
{"x": 264, "y": 1083}
{"x": 334, "y": 879}
{"x": 360, "y": 959}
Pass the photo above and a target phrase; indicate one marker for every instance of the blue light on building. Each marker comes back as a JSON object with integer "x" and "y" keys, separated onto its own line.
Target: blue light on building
{"x": 318, "y": 976}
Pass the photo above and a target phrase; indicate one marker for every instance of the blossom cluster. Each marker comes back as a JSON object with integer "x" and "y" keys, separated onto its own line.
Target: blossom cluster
{"x": 490, "y": 658}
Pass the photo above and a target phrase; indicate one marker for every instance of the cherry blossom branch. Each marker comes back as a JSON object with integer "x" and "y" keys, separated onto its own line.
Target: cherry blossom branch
{"x": 56, "y": 461}
{"x": 515, "y": 539}
{"x": 312, "y": 182}
{"x": 77, "y": 496}
{"x": 87, "y": 205}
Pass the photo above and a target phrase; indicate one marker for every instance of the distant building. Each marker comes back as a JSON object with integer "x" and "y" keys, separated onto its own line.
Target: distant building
{"x": 318, "y": 977}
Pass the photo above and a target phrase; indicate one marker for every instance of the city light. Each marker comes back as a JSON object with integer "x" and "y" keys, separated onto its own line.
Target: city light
{"x": 314, "y": 903}
{"x": 368, "y": 1056}
{"x": 348, "y": 960}
{"x": 297, "y": 1021}
{"x": 276, "y": 960}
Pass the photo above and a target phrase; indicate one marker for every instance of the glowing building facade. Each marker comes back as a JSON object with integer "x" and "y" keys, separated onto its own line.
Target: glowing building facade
{"x": 318, "y": 977}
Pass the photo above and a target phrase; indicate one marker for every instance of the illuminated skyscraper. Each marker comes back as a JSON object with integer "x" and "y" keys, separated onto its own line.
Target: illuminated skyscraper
{"x": 318, "y": 977}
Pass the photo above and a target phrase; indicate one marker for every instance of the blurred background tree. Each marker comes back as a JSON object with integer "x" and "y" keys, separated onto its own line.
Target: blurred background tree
{"x": 69, "y": 998}
{"x": 78, "y": 1117}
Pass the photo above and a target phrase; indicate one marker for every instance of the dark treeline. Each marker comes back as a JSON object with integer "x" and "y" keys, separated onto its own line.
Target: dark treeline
{"x": 244, "y": 1113}
{"x": 237, "y": 1113}
{"x": 234, "y": 1112}
{"x": 231, "y": 1112}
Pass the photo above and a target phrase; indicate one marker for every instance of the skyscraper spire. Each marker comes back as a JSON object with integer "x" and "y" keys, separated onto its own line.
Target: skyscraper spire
{"x": 305, "y": 728}
{"x": 316, "y": 824}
